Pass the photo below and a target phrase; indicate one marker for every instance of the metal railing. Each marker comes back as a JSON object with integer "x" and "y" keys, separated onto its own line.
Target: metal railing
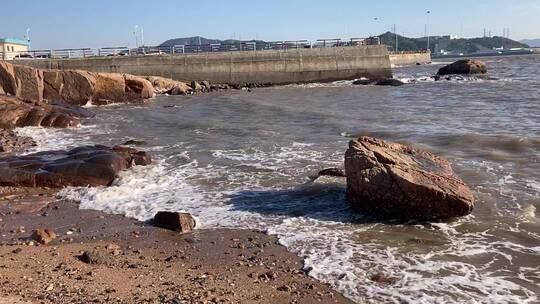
{"x": 187, "y": 49}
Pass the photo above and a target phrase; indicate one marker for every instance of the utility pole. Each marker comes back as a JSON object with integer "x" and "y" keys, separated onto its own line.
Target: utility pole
{"x": 28, "y": 37}
{"x": 427, "y": 31}
{"x": 395, "y": 32}
{"x": 136, "y": 36}
{"x": 142, "y": 36}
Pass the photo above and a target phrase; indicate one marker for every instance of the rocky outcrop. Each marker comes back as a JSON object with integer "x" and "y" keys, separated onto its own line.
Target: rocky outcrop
{"x": 83, "y": 166}
{"x": 21, "y": 81}
{"x": 17, "y": 113}
{"x": 75, "y": 87}
{"x": 168, "y": 86}
{"x": 176, "y": 221}
{"x": 391, "y": 180}
{"x": 464, "y": 67}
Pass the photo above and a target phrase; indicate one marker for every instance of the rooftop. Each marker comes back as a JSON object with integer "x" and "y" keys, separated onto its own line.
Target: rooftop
{"x": 14, "y": 41}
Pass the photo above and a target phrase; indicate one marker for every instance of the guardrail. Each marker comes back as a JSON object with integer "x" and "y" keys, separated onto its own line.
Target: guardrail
{"x": 187, "y": 49}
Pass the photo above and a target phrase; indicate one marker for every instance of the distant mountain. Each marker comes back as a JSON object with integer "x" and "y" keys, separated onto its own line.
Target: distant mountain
{"x": 448, "y": 44}
{"x": 198, "y": 40}
{"x": 531, "y": 42}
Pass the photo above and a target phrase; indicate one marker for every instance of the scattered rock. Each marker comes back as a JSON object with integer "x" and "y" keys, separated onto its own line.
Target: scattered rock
{"x": 79, "y": 167}
{"x": 393, "y": 180}
{"x": 94, "y": 257}
{"x": 206, "y": 85}
{"x": 177, "y": 221}
{"x": 390, "y": 82}
{"x": 43, "y": 236}
{"x": 464, "y": 67}
{"x": 196, "y": 87}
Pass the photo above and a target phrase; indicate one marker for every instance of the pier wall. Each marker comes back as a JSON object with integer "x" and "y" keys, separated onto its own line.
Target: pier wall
{"x": 410, "y": 58}
{"x": 269, "y": 66}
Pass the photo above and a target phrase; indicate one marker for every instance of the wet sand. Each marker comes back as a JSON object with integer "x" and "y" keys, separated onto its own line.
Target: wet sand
{"x": 139, "y": 263}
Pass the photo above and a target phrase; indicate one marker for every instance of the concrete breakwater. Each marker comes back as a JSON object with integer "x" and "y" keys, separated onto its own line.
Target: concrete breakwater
{"x": 407, "y": 58}
{"x": 262, "y": 67}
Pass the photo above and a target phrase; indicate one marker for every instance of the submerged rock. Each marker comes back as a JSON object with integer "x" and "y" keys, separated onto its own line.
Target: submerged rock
{"x": 464, "y": 67}
{"x": 363, "y": 82}
{"x": 392, "y": 180}
{"x": 332, "y": 172}
{"x": 79, "y": 167}
{"x": 176, "y": 221}
{"x": 389, "y": 82}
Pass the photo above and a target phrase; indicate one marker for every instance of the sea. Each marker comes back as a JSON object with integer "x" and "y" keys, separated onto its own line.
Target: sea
{"x": 241, "y": 159}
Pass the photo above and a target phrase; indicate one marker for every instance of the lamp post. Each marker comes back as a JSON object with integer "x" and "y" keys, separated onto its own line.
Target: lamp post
{"x": 427, "y": 30}
{"x": 28, "y": 38}
{"x": 136, "y": 38}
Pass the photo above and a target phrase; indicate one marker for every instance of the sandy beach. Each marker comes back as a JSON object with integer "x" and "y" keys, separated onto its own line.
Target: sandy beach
{"x": 138, "y": 263}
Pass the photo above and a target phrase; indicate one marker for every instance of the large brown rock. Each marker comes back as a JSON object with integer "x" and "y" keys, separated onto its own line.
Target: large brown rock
{"x": 15, "y": 112}
{"x": 464, "y": 67}
{"x": 392, "y": 180}
{"x": 29, "y": 83}
{"x": 75, "y": 87}
{"x": 8, "y": 85}
{"x": 164, "y": 85}
{"x": 80, "y": 167}
{"x": 138, "y": 88}
{"x": 21, "y": 81}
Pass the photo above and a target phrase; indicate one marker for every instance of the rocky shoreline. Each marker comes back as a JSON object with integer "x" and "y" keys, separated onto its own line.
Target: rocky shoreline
{"x": 52, "y": 252}
{"x": 42, "y": 238}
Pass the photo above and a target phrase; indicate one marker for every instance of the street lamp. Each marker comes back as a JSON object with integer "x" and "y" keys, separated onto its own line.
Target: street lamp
{"x": 427, "y": 30}
{"x": 28, "y": 37}
{"x": 136, "y": 38}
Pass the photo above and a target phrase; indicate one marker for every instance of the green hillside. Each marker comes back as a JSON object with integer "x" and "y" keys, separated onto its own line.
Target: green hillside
{"x": 444, "y": 42}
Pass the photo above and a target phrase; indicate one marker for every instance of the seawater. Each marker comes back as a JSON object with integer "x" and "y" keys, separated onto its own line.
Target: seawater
{"x": 242, "y": 160}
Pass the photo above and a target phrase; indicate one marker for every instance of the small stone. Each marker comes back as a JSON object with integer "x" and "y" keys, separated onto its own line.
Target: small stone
{"x": 177, "y": 221}
{"x": 93, "y": 257}
{"x": 43, "y": 236}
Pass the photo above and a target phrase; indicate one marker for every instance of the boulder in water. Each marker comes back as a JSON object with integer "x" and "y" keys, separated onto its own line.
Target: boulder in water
{"x": 389, "y": 82}
{"x": 391, "y": 180}
{"x": 464, "y": 67}
{"x": 363, "y": 82}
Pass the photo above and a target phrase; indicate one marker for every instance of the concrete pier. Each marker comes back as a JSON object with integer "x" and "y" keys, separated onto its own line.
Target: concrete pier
{"x": 263, "y": 67}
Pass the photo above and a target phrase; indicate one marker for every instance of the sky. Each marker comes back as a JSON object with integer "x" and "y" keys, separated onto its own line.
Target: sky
{"x": 58, "y": 24}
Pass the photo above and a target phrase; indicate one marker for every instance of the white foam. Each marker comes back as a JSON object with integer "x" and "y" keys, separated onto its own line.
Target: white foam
{"x": 58, "y": 139}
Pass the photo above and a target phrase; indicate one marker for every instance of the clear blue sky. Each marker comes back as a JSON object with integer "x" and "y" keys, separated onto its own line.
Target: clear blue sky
{"x": 95, "y": 23}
